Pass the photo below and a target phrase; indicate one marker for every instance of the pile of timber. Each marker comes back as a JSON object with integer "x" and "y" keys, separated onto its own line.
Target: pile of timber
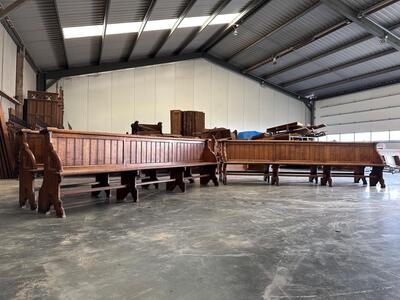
{"x": 289, "y": 131}
{"x": 187, "y": 123}
{"x": 6, "y": 154}
{"x": 218, "y": 133}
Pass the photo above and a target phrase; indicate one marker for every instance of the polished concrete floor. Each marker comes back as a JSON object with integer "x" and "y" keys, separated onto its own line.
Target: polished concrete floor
{"x": 246, "y": 240}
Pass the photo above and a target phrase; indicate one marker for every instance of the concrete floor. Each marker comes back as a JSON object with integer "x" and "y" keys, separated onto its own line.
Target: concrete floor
{"x": 246, "y": 240}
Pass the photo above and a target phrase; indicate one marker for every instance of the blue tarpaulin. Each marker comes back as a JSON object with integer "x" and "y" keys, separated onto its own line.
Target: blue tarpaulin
{"x": 246, "y": 135}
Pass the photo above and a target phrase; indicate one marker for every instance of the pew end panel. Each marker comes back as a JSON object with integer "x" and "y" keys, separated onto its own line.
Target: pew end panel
{"x": 31, "y": 152}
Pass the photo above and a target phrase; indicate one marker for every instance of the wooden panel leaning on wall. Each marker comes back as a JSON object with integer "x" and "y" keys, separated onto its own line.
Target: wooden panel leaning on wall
{"x": 306, "y": 153}
{"x": 71, "y": 153}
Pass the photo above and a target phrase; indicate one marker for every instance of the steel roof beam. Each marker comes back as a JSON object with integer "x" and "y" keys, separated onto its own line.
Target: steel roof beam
{"x": 103, "y": 36}
{"x": 376, "y": 7}
{"x": 61, "y": 34}
{"x": 192, "y": 36}
{"x": 142, "y": 26}
{"x": 347, "y": 80}
{"x": 275, "y": 30}
{"x": 367, "y": 24}
{"x": 165, "y": 38}
{"x": 368, "y": 11}
{"x": 106, "y": 67}
{"x": 324, "y": 54}
{"x": 6, "y": 11}
{"x": 296, "y": 46}
{"x": 339, "y": 67}
{"x": 250, "y": 9}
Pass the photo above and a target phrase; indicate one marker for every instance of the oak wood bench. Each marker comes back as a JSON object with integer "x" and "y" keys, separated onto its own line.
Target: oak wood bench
{"x": 327, "y": 155}
{"x": 73, "y": 153}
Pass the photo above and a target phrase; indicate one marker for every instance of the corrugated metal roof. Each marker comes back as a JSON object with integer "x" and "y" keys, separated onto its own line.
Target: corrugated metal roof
{"x": 38, "y": 26}
{"x": 301, "y": 29}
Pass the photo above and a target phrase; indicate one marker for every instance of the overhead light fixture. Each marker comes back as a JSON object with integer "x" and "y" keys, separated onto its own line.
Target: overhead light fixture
{"x": 384, "y": 39}
{"x": 82, "y": 31}
{"x": 132, "y": 27}
{"x": 274, "y": 60}
{"x": 235, "y": 31}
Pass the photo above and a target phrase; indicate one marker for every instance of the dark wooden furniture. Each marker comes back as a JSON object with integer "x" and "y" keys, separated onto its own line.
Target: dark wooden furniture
{"x": 146, "y": 129}
{"x": 71, "y": 153}
{"x": 44, "y": 108}
{"x": 324, "y": 154}
{"x": 187, "y": 123}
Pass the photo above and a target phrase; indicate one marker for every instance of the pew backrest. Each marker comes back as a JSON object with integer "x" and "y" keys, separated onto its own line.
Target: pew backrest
{"x": 81, "y": 150}
{"x": 300, "y": 153}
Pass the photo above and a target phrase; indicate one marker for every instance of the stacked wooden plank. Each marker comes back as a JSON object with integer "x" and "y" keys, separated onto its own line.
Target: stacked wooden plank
{"x": 187, "y": 123}
{"x": 6, "y": 154}
{"x": 289, "y": 131}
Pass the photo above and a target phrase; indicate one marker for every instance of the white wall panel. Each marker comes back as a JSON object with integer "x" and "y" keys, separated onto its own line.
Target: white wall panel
{"x": 184, "y": 85}
{"x": 76, "y": 112}
{"x": 147, "y": 94}
{"x": 267, "y": 109}
{"x": 29, "y": 83}
{"x": 219, "y": 96}
{"x": 165, "y": 94}
{"x": 372, "y": 110}
{"x": 281, "y": 108}
{"x": 122, "y": 101}
{"x": 252, "y": 108}
{"x": 99, "y": 102}
{"x": 202, "y": 91}
{"x": 9, "y": 65}
{"x": 236, "y": 92}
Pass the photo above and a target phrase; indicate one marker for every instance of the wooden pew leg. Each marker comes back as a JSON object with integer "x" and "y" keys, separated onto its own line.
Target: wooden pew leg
{"x": 266, "y": 173}
{"x": 313, "y": 173}
{"x": 275, "y": 175}
{"x": 359, "y": 175}
{"x": 152, "y": 174}
{"x": 377, "y": 176}
{"x": 224, "y": 174}
{"x": 220, "y": 173}
{"x": 326, "y": 178}
{"x": 26, "y": 189}
{"x": 103, "y": 180}
{"x": 188, "y": 173}
{"x": 177, "y": 175}
{"x": 128, "y": 179}
{"x": 49, "y": 194}
{"x": 211, "y": 172}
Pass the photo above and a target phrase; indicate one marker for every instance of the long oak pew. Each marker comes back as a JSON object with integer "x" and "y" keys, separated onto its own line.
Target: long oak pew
{"x": 72, "y": 153}
{"x": 314, "y": 154}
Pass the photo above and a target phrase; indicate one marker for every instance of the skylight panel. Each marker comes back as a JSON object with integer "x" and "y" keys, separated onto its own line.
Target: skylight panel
{"x": 132, "y": 27}
{"x": 223, "y": 19}
{"x": 193, "y": 22}
{"x": 82, "y": 31}
{"x": 160, "y": 24}
{"x": 121, "y": 28}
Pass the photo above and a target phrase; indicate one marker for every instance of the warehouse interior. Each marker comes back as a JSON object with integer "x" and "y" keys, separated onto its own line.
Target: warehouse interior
{"x": 199, "y": 149}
